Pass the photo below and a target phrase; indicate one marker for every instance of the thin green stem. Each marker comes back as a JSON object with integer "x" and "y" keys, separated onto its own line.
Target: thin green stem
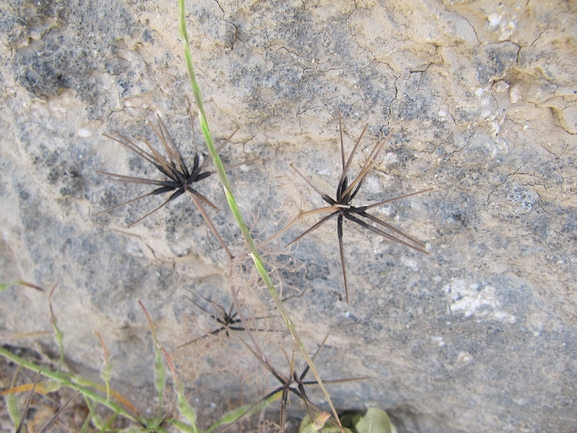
{"x": 234, "y": 208}
{"x": 85, "y": 391}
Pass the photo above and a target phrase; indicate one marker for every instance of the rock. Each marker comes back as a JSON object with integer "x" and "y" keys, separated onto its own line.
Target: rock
{"x": 479, "y": 335}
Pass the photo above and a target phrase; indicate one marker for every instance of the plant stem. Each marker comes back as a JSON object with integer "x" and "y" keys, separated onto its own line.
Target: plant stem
{"x": 234, "y": 208}
{"x": 85, "y": 391}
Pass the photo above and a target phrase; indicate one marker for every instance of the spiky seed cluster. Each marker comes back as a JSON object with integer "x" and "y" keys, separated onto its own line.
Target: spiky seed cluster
{"x": 342, "y": 208}
{"x": 179, "y": 178}
{"x": 293, "y": 383}
{"x": 226, "y": 320}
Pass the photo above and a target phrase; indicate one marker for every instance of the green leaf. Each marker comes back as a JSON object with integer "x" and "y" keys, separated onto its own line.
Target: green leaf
{"x": 246, "y": 410}
{"x": 375, "y": 421}
{"x": 131, "y": 430}
{"x": 13, "y": 411}
{"x": 330, "y": 428}
{"x": 182, "y": 426}
{"x": 97, "y": 421}
{"x": 4, "y": 286}
{"x": 317, "y": 424}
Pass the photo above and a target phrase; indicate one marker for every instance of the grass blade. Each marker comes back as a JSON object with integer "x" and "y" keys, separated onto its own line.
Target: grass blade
{"x": 234, "y": 208}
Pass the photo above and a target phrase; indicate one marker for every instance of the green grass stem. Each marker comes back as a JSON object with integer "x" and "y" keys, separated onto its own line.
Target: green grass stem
{"x": 234, "y": 208}
{"x": 60, "y": 378}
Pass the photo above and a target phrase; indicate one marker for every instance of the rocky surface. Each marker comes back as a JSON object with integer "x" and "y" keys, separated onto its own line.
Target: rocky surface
{"x": 479, "y": 335}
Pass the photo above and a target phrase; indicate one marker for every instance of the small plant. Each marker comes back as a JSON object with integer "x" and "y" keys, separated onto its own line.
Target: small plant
{"x": 58, "y": 379}
{"x": 96, "y": 394}
{"x": 293, "y": 383}
{"x": 341, "y": 206}
{"x": 18, "y": 418}
{"x": 373, "y": 420}
{"x": 179, "y": 178}
{"x": 228, "y": 320}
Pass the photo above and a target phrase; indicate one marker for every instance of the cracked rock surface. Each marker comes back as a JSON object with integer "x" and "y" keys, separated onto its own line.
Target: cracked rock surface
{"x": 480, "y": 335}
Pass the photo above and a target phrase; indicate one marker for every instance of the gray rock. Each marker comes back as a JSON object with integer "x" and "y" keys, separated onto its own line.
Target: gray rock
{"x": 479, "y": 335}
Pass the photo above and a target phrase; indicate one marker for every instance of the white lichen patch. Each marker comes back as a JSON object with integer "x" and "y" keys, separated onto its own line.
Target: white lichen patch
{"x": 502, "y": 23}
{"x": 84, "y": 132}
{"x": 472, "y": 299}
{"x": 410, "y": 263}
{"x": 439, "y": 341}
{"x": 373, "y": 184}
{"x": 464, "y": 358}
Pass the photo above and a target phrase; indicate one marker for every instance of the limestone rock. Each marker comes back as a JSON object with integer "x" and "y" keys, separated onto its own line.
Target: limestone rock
{"x": 478, "y": 336}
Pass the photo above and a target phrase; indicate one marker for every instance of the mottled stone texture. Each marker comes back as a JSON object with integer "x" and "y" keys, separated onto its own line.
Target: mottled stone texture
{"x": 478, "y": 336}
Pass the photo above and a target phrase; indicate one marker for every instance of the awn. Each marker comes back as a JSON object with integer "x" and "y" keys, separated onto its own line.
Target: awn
{"x": 342, "y": 208}
{"x": 294, "y": 383}
{"x": 227, "y": 320}
{"x": 178, "y": 177}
